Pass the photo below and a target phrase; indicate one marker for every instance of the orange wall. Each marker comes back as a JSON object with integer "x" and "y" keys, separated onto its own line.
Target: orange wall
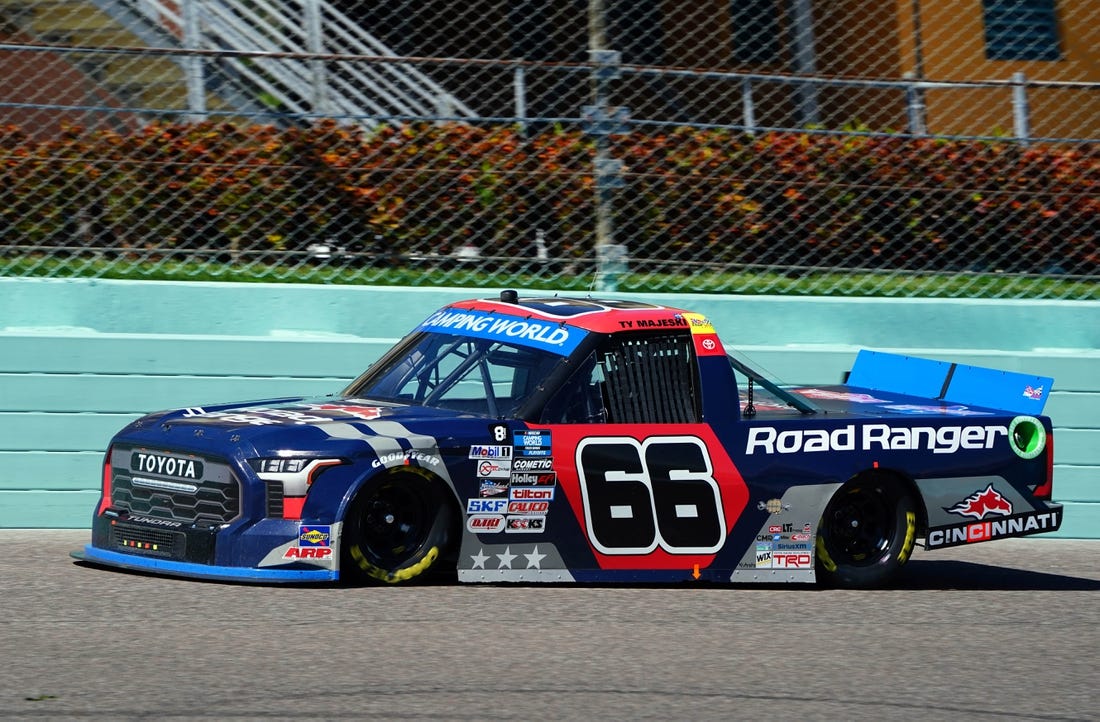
{"x": 954, "y": 49}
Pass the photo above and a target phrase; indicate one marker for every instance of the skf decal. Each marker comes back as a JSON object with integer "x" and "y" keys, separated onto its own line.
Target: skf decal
{"x": 314, "y": 536}
{"x": 486, "y": 506}
{"x": 982, "y": 503}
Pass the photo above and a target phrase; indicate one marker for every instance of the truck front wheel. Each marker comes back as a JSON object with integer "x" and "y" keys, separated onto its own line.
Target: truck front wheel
{"x": 397, "y": 528}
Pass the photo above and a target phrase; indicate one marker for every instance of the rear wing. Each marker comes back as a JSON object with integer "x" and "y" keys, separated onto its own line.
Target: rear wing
{"x": 951, "y": 383}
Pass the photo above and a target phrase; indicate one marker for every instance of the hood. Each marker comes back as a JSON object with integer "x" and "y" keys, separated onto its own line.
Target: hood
{"x": 339, "y": 425}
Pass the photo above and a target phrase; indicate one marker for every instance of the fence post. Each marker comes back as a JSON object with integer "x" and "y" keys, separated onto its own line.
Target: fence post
{"x": 519, "y": 87}
{"x": 914, "y": 97}
{"x": 316, "y": 46}
{"x": 610, "y": 256}
{"x": 192, "y": 40}
{"x": 748, "y": 108}
{"x": 1021, "y": 114}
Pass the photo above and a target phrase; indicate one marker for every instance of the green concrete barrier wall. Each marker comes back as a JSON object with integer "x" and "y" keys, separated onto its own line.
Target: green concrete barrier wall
{"x": 80, "y": 358}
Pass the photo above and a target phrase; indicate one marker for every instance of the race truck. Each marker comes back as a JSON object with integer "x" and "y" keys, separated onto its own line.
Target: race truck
{"x": 551, "y": 439}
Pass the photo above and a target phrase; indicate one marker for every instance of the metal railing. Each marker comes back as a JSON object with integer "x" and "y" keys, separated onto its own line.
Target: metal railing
{"x": 590, "y": 172}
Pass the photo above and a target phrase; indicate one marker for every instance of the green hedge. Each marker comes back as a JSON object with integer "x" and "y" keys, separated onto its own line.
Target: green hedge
{"x": 690, "y": 195}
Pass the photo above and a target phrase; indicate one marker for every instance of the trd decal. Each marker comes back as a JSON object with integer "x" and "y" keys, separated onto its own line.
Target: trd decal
{"x": 639, "y": 496}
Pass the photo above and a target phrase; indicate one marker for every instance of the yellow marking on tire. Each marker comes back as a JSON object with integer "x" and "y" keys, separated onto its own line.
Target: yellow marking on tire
{"x": 910, "y": 537}
{"x": 823, "y": 555}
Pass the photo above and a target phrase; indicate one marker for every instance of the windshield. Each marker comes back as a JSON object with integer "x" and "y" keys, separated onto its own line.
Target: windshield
{"x": 447, "y": 371}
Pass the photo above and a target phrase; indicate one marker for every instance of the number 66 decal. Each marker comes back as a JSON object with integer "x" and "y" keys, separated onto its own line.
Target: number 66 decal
{"x": 639, "y": 496}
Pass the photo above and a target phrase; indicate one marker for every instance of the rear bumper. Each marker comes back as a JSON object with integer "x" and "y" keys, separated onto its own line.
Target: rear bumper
{"x": 1038, "y": 521}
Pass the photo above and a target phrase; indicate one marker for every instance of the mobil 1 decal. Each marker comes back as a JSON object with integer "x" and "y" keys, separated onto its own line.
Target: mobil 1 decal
{"x": 653, "y": 501}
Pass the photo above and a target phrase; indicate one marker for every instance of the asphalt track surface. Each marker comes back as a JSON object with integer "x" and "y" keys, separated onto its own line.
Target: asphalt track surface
{"x": 1000, "y": 631}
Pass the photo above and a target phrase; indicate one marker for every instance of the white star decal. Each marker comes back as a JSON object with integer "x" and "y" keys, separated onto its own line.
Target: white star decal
{"x": 479, "y": 559}
{"x": 534, "y": 558}
{"x": 506, "y": 558}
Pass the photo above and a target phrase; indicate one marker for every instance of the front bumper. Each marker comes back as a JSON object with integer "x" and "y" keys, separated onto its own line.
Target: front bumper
{"x": 134, "y": 562}
{"x": 270, "y": 550}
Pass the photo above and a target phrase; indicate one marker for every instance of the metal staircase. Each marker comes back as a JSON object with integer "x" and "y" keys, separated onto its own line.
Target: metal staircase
{"x": 255, "y": 58}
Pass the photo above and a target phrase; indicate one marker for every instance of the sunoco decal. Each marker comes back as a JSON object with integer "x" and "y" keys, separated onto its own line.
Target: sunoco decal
{"x": 545, "y": 335}
{"x": 314, "y": 535}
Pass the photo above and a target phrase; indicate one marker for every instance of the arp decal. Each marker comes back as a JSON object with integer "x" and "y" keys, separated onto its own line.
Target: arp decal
{"x": 660, "y": 493}
{"x": 983, "y": 503}
{"x": 311, "y": 553}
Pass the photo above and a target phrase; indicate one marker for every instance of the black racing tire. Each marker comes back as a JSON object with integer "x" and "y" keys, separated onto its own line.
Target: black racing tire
{"x": 867, "y": 532}
{"x": 398, "y": 527}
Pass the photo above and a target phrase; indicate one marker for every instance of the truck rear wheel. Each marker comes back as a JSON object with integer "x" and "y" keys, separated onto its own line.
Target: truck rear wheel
{"x": 867, "y": 532}
{"x": 397, "y": 528}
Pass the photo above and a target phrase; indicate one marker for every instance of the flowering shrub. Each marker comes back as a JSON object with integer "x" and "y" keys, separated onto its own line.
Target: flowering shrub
{"x": 690, "y": 195}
